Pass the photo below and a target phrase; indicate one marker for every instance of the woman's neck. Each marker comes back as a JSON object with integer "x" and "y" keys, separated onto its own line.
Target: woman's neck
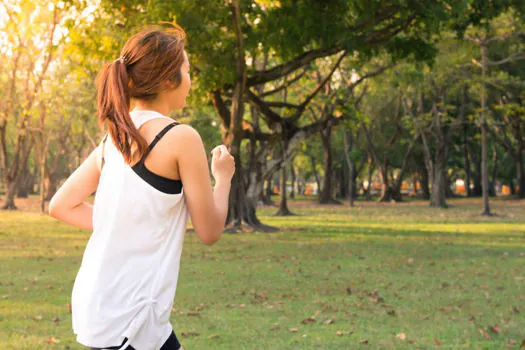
{"x": 141, "y": 105}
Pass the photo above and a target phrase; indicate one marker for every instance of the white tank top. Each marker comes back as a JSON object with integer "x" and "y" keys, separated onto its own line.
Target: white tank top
{"x": 127, "y": 280}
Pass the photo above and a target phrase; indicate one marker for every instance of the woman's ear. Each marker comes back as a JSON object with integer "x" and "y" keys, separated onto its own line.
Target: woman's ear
{"x": 168, "y": 85}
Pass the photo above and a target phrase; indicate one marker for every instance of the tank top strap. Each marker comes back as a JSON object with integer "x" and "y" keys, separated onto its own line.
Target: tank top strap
{"x": 161, "y": 134}
{"x": 158, "y": 137}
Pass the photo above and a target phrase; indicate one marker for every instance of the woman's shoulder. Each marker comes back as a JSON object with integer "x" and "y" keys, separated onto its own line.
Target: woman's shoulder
{"x": 183, "y": 140}
{"x": 168, "y": 129}
{"x": 184, "y": 133}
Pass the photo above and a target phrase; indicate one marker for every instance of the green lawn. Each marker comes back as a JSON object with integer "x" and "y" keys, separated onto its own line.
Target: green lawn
{"x": 375, "y": 276}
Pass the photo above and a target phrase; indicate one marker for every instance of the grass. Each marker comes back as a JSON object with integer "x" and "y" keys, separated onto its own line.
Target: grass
{"x": 387, "y": 276}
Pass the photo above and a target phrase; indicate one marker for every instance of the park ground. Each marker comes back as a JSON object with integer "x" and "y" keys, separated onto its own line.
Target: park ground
{"x": 377, "y": 276}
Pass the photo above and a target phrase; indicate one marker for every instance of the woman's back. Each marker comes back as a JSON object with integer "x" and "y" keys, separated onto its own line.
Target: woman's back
{"x": 130, "y": 266}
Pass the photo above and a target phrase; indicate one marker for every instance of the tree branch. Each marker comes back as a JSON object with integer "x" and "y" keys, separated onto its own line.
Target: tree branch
{"x": 284, "y": 85}
{"x": 515, "y": 57}
{"x": 222, "y": 109}
{"x": 281, "y": 104}
{"x": 302, "y": 106}
{"x": 263, "y": 107}
{"x": 280, "y": 71}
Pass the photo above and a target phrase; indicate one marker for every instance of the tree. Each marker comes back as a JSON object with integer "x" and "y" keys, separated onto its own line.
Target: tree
{"x": 293, "y": 34}
{"x": 437, "y": 105}
{"x": 32, "y": 39}
{"x": 482, "y": 38}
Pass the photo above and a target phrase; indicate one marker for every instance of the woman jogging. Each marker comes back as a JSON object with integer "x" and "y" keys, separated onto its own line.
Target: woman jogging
{"x": 149, "y": 173}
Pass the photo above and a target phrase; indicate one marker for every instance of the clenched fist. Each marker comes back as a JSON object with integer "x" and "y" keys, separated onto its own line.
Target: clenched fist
{"x": 222, "y": 164}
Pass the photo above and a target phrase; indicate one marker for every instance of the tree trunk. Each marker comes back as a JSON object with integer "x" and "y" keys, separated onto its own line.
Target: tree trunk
{"x": 316, "y": 174}
{"x": 492, "y": 188}
{"x": 243, "y": 201}
{"x": 467, "y": 162}
{"x": 476, "y": 177}
{"x": 325, "y": 197}
{"x": 13, "y": 177}
{"x": 415, "y": 179}
{"x": 386, "y": 190}
{"x": 43, "y": 176}
{"x": 283, "y": 204}
{"x": 352, "y": 179}
{"x": 241, "y": 212}
{"x": 300, "y": 184}
{"x": 51, "y": 185}
{"x": 11, "y": 188}
{"x": 267, "y": 196}
{"x": 26, "y": 184}
{"x": 423, "y": 182}
{"x": 382, "y": 165}
{"x": 343, "y": 181}
{"x": 484, "y": 162}
{"x": 448, "y": 187}
{"x": 292, "y": 173}
{"x": 370, "y": 172}
{"x": 438, "y": 194}
{"x": 521, "y": 176}
{"x": 512, "y": 187}
{"x": 396, "y": 191}
{"x": 253, "y": 194}
{"x": 237, "y": 194}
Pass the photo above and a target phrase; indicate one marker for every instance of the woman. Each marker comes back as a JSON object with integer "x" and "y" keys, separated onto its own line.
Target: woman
{"x": 149, "y": 173}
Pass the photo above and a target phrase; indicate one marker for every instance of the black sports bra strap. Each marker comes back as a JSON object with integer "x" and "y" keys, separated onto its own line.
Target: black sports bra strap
{"x": 159, "y": 136}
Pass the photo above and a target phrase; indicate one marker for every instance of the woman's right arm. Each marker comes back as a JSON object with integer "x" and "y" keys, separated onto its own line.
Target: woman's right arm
{"x": 208, "y": 207}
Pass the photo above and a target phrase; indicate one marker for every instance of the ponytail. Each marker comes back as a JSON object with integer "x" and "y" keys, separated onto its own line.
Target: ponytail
{"x": 113, "y": 107}
{"x": 148, "y": 61}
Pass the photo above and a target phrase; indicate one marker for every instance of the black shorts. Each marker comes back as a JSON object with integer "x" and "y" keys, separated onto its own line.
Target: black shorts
{"x": 171, "y": 344}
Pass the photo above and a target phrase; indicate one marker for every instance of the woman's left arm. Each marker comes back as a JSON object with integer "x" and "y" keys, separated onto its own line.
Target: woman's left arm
{"x": 69, "y": 203}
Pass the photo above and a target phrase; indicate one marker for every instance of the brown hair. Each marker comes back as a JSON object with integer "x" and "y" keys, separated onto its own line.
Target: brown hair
{"x": 148, "y": 61}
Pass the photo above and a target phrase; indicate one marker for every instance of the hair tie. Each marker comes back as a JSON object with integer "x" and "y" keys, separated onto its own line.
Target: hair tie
{"x": 120, "y": 59}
